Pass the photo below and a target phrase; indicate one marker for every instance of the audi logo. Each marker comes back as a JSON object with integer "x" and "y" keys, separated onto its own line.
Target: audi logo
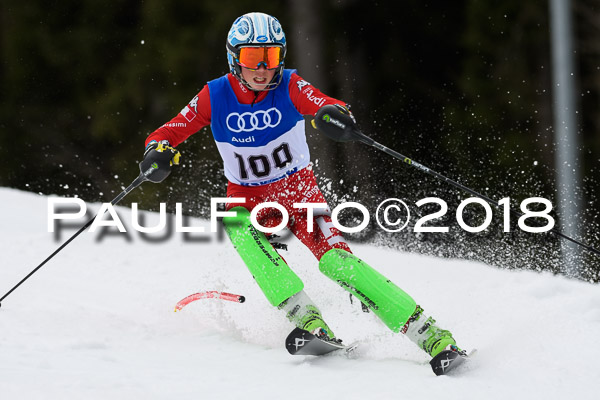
{"x": 258, "y": 120}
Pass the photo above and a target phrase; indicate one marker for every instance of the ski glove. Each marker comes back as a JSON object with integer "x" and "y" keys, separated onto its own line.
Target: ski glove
{"x": 159, "y": 157}
{"x": 336, "y": 122}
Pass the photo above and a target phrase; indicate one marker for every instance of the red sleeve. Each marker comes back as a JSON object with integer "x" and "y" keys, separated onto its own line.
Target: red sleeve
{"x": 307, "y": 98}
{"x": 192, "y": 118}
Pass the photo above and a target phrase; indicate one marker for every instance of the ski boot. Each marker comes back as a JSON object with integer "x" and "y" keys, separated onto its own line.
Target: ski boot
{"x": 301, "y": 311}
{"x": 438, "y": 343}
{"x": 423, "y": 331}
{"x": 320, "y": 332}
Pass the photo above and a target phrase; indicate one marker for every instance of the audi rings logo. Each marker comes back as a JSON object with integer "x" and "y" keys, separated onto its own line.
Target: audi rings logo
{"x": 256, "y": 121}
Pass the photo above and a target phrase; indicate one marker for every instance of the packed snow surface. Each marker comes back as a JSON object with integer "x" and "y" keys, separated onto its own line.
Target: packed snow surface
{"x": 98, "y": 322}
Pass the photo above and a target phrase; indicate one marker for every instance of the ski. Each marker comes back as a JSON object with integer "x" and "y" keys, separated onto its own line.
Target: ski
{"x": 448, "y": 361}
{"x": 301, "y": 342}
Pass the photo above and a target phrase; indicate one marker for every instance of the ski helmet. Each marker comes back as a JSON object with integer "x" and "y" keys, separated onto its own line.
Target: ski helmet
{"x": 257, "y": 30}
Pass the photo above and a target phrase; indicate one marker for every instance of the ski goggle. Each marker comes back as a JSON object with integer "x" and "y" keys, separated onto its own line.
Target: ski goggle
{"x": 253, "y": 57}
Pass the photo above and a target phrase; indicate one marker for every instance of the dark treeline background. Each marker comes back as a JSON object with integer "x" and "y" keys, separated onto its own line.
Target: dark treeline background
{"x": 463, "y": 87}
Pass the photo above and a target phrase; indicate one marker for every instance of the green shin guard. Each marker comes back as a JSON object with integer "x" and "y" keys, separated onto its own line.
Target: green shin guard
{"x": 275, "y": 278}
{"x": 390, "y": 303}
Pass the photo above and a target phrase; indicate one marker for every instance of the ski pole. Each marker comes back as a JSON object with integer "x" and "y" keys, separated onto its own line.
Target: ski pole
{"x": 211, "y": 294}
{"x": 137, "y": 182}
{"x": 341, "y": 127}
{"x": 155, "y": 167}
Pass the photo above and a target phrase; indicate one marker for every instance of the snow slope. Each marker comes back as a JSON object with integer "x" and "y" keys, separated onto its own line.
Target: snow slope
{"x": 97, "y": 322}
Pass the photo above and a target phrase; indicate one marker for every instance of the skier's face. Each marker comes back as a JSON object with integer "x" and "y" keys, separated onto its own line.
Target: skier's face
{"x": 258, "y": 79}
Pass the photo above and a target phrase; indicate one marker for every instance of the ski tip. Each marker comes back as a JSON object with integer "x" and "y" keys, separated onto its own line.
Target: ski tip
{"x": 447, "y": 361}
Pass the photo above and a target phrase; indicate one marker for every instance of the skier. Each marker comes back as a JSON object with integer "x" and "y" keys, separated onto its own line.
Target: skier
{"x": 256, "y": 117}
